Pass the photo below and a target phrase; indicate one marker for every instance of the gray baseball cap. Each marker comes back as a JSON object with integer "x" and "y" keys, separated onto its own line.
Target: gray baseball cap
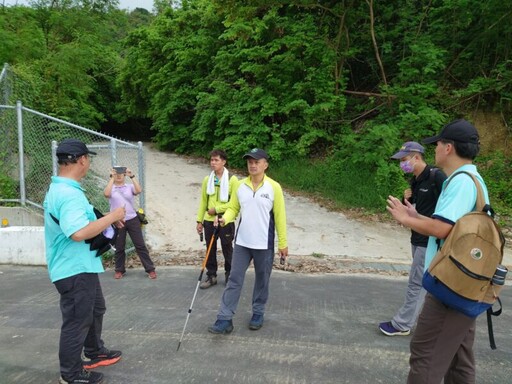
{"x": 407, "y": 148}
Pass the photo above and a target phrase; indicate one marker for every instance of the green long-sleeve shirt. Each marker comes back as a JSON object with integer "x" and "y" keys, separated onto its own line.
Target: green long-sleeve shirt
{"x": 213, "y": 201}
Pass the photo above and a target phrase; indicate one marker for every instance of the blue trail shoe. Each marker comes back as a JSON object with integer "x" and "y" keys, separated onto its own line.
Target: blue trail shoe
{"x": 256, "y": 322}
{"x": 221, "y": 327}
{"x": 388, "y": 329}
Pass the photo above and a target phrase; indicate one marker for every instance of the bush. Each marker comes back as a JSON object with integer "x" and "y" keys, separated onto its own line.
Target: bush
{"x": 347, "y": 184}
{"x": 8, "y": 187}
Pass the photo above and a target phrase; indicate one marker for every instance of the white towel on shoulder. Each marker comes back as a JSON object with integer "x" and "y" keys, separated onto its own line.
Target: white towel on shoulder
{"x": 224, "y": 185}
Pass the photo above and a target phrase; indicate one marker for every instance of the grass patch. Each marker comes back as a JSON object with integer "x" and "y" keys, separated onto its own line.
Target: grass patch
{"x": 344, "y": 183}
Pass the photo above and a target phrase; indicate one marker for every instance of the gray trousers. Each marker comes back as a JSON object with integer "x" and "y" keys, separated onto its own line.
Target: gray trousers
{"x": 408, "y": 313}
{"x": 242, "y": 256}
{"x": 442, "y": 346}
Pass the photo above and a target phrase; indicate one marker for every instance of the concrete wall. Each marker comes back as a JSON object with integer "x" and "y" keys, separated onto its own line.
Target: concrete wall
{"x": 22, "y": 245}
{"x": 19, "y": 216}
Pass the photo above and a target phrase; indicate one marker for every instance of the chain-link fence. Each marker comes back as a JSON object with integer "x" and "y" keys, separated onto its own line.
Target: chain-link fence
{"x": 27, "y": 154}
{"x": 15, "y": 85}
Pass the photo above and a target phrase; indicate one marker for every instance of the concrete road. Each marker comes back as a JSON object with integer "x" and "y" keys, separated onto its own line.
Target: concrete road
{"x": 318, "y": 329}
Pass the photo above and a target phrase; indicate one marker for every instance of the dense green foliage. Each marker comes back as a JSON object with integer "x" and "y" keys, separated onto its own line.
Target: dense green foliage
{"x": 67, "y": 55}
{"x": 8, "y": 187}
{"x": 335, "y": 85}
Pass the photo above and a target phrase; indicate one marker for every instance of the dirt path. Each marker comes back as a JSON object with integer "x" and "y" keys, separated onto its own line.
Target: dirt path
{"x": 318, "y": 238}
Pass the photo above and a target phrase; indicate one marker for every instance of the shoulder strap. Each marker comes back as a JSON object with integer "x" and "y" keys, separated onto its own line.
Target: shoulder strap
{"x": 491, "y": 313}
{"x": 98, "y": 214}
{"x": 432, "y": 175}
{"x": 432, "y": 181}
{"x": 481, "y": 206}
{"x": 55, "y": 219}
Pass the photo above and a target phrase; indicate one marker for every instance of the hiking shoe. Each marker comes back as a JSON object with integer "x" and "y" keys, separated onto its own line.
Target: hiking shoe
{"x": 118, "y": 275}
{"x": 152, "y": 275}
{"x": 102, "y": 359}
{"x": 210, "y": 281}
{"x": 388, "y": 329}
{"x": 221, "y": 327}
{"x": 84, "y": 377}
{"x": 256, "y": 322}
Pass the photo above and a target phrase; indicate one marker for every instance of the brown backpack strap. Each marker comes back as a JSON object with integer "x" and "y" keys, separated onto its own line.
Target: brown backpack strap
{"x": 480, "y": 205}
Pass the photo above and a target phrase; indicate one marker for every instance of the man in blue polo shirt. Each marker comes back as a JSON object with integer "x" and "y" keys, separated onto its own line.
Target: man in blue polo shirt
{"x": 69, "y": 221}
{"x": 442, "y": 345}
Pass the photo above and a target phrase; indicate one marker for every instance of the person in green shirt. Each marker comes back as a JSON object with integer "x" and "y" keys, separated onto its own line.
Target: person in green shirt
{"x": 215, "y": 193}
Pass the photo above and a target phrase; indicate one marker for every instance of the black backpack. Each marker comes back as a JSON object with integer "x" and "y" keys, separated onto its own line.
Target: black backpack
{"x": 102, "y": 242}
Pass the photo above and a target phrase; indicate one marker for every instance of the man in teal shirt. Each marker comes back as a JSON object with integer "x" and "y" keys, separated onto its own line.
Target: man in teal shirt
{"x": 73, "y": 266}
{"x": 442, "y": 345}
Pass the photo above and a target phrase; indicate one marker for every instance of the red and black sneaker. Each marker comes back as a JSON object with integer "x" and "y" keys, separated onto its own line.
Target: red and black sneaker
{"x": 103, "y": 358}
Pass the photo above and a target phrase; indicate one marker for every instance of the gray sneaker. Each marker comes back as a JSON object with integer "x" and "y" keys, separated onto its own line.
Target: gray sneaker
{"x": 210, "y": 281}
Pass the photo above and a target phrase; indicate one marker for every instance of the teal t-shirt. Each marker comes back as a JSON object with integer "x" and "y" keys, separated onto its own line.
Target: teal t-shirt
{"x": 454, "y": 202}
{"x": 65, "y": 257}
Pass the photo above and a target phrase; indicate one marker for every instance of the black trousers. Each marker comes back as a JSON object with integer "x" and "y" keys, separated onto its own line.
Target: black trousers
{"x": 133, "y": 228}
{"x": 82, "y": 305}
{"x": 226, "y": 235}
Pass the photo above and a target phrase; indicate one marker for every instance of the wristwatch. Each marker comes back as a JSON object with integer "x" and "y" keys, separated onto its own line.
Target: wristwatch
{"x": 131, "y": 177}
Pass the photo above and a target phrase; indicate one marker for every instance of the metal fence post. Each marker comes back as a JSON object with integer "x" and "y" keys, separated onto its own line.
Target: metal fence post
{"x": 113, "y": 152}
{"x": 142, "y": 175}
{"x": 21, "y": 153}
{"x": 54, "y": 157}
{"x": 7, "y": 91}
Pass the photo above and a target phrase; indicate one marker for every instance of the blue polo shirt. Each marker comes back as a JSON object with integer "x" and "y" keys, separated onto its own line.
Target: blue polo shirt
{"x": 65, "y": 257}
{"x": 454, "y": 202}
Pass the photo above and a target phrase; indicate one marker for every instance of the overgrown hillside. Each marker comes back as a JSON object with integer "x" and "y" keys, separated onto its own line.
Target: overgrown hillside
{"x": 329, "y": 88}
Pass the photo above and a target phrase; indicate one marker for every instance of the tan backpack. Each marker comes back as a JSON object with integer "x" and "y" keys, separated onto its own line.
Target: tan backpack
{"x": 466, "y": 274}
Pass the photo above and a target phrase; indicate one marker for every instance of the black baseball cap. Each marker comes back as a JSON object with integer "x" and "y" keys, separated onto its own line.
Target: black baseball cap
{"x": 256, "y": 154}
{"x": 72, "y": 149}
{"x": 461, "y": 131}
